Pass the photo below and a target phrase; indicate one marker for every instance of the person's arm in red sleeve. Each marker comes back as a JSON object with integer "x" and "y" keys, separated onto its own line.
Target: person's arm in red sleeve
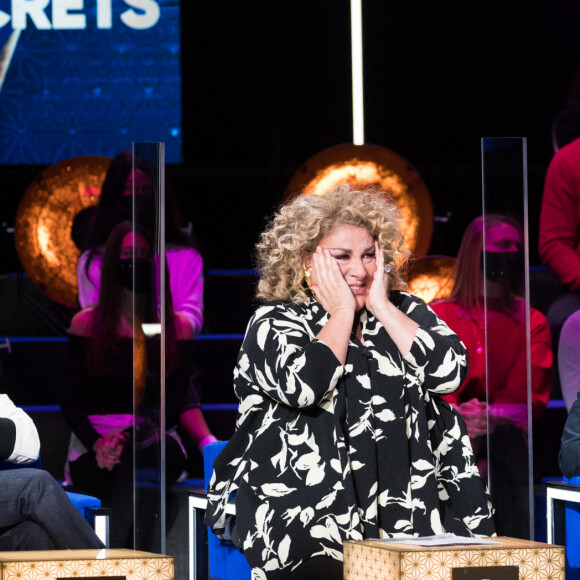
{"x": 542, "y": 361}
{"x": 559, "y": 222}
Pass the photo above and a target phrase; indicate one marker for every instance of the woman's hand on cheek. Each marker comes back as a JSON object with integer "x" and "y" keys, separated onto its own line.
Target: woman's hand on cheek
{"x": 329, "y": 286}
{"x": 377, "y": 296}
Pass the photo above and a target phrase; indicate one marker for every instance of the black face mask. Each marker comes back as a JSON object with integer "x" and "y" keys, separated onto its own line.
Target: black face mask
{"x": 505, "y": 268}
{"x": 142, "y": 274}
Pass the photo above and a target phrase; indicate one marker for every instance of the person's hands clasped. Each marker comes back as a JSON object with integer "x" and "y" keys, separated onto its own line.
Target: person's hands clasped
{"x": 329, "y": 285}
{"x": 474, "y": 413}
{"x": 377, "y": 297}
{"x": 108, "y": 450}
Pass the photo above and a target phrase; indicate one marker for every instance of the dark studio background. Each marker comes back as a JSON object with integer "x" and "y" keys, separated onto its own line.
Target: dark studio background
{"x": 266, "y": 85}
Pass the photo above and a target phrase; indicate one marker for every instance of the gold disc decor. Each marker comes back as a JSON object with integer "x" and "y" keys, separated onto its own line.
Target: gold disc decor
{"x": 431, "y": 278}
{"x": 371, "y": 165}
{"x": 42, "y": 231}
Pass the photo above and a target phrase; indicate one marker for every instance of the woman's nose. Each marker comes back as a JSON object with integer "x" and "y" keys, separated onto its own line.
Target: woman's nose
{"x": 358, "y": 268}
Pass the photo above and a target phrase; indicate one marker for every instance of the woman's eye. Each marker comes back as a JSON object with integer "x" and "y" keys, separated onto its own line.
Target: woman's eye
{"x": 341, "y": 257}
{"x": 370, "y": 256}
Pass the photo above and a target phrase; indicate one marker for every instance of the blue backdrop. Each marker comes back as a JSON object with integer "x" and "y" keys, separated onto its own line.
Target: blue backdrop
{"x": 88, "y": 81}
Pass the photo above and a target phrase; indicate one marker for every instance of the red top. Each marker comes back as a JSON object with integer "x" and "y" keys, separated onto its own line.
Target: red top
{"x": 559, "y": 244}
{"x": 507, "y": 356}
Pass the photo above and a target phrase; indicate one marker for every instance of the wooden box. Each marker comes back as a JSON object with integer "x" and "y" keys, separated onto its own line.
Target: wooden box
{"x": 514, "y": 558}
{"x": 80, "y": 564}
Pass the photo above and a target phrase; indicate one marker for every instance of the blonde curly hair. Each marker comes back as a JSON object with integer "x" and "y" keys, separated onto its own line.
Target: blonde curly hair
{"x": 302, "y": 223}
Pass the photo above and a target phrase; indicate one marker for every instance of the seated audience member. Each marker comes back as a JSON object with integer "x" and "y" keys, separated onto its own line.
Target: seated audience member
{"x": 341, "y": 431}
{"x": 98, "y": 399}
{"x": 559, "y": 239}
{"x": 35, "y": 512}
{"x": 569, "y": 359}
{"x": 121, "y": 184}
{"x": 569, "y": 458}
{"x": 494, "y": 393}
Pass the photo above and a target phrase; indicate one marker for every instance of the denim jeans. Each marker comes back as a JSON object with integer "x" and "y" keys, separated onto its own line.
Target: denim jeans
{"x": 36, "y": 514}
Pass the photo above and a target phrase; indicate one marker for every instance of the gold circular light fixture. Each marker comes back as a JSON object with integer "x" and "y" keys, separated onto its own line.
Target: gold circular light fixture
{"x": 42, "y": 231}
{"x": 371, "y": 165}
{"x": 431, "y": 278}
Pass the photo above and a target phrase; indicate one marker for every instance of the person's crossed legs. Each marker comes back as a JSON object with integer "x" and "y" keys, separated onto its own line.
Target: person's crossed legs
{"x": 36, "y": 514}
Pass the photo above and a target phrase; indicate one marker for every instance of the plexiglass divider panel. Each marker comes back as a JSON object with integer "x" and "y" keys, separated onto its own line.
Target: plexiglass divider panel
{"x": 149, "y": 346}
{"x": 506, "y": 318}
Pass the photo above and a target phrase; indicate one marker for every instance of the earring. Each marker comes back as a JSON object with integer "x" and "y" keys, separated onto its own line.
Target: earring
{"x": 387, "y": 268}
{"x": 307, "y": 274}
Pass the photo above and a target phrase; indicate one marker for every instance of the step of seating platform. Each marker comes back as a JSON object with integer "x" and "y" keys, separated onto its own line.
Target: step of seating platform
{"x": 61, "y": 564}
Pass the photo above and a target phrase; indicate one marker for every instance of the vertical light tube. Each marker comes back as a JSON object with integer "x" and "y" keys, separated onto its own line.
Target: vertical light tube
{"x": 358, "y": 121}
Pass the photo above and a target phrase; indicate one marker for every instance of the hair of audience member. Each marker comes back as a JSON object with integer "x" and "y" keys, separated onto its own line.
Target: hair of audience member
{"x": 106, "y": 215}
{"x": 108, "y": 310}
{"x": 300, "y": 225}
{"x": 468, "y": 267}
{"x": 566, "y": 122}
{"x": 566, "y": 125}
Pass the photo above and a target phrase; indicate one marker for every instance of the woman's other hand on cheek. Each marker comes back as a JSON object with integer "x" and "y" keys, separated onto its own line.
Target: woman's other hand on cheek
{"x": 328, "y": 284}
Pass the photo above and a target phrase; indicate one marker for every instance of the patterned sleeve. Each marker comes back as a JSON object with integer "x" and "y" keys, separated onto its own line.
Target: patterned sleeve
{"x": 437, "y": 356}
{"x": 281, "y": 359}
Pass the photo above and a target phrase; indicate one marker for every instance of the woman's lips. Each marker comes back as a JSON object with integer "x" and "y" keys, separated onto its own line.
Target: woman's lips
{"x": 358, "y": 289}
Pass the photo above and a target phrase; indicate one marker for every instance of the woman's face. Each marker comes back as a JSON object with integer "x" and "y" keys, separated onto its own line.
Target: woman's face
{"x": 503, "y": 258}
{"x": 502, "y": 238}
{"x": 138, "y": 181}
{"x": 353, "y": 248}
{"x": 136, "y": 245}
{"x": 134, "y": 268}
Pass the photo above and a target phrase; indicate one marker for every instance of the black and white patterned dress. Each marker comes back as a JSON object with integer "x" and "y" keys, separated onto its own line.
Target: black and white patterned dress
{"x": 324, "y": 453}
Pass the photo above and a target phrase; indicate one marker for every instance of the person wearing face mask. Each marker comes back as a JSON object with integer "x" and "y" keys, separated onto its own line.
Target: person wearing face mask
{"x": 126, "y": 186}
{"x": 99, "y": 398}
{"x": 341, "y": 431}
{"x": 494, "y": 393}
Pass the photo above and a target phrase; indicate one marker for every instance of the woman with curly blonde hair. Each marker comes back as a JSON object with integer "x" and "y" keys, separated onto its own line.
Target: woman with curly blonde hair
{"x": 302, "y": 224}
{"x": 341, "y": 433}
